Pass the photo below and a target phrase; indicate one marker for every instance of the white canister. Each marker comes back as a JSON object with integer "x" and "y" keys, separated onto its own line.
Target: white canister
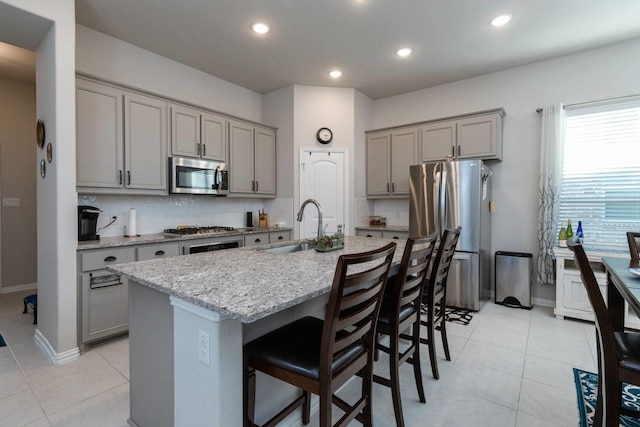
{"x": 131, "y": 230}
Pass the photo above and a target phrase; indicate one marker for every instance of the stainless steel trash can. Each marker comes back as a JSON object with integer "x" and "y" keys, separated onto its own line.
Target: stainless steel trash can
{"x": 513, "y": 279}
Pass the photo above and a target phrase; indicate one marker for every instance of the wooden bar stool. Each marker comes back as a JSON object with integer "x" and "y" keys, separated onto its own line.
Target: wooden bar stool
{"x": 436, "y": 295}
{"x": 319, "y": 356}
{"x": 400, "y": 312}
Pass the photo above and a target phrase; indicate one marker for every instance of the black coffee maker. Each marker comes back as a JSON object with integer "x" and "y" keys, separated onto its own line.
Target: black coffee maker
{"x": 87, "y": 223}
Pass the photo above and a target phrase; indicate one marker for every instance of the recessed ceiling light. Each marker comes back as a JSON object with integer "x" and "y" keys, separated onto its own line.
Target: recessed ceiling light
{"x": 260, "y": 27}
{"x": 405, "y": 51}
{"x": 501, "y": 20}
{"x": 335, "y": 73}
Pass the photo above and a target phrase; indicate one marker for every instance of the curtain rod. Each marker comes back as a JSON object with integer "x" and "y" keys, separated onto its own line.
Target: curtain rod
{"x": 586, "y": 104}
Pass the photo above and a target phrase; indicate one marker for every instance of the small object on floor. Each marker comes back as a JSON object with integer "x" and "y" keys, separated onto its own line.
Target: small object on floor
{"x": 461, "y": 316}
{"x": 587, "y": 390}
{"x": 2, "y": 341}
{"x": 32, "y": 300}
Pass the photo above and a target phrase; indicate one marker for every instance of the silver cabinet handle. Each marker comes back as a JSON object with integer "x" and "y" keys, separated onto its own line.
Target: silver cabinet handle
{"x": 198, "y": 148}
{"x": 257, "y": 185}
{"x": 453, "y": 151}
{"x": 128, "y": 177}
{"x": 120, "y": 177}
{"x": 388, "y": 187}
{"x": 253, "y": 186}
{"x": 204, "y": 150}
{"x": 393, "y": 187}
{"x": 458, "y": 150}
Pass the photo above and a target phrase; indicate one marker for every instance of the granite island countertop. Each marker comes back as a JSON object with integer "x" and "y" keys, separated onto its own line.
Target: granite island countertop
{"x": 403, "y": 228}
{"x": 248, "y": 283}
{"x": 144, "y": 239}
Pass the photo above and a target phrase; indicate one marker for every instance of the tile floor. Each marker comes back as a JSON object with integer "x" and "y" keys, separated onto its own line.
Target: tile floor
{"x": 509, "y": 367}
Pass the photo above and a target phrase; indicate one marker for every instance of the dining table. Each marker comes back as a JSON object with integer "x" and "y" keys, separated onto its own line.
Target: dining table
{"x": 623, "y": 285}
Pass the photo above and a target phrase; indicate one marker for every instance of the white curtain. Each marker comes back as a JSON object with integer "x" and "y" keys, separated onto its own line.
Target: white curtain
{"x": 551, "y": 153}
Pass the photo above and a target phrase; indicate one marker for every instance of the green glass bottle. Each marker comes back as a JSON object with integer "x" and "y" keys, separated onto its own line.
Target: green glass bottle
{"x": 569, "y": 230}
{"x": 562, "y": 237}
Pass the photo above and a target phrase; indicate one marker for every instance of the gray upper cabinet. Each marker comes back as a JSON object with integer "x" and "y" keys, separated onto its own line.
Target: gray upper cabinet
{"x": 121, "y": 141}
{"x": 476, "y": 136}
{"x": 99, "y": 136}
{"x": 389, "y": 155}
{"x": 252, "y": 160}
{"x": 196, "y": 133}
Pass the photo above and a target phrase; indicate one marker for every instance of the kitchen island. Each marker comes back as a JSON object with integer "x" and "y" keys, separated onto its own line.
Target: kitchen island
{"x": 190, "y": 316}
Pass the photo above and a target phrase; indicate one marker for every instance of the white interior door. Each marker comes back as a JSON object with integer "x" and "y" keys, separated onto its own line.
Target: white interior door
{"x": 323, "y": 178}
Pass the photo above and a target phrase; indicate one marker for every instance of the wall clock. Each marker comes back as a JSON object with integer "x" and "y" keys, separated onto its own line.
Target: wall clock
{"x": 324, "y": 135}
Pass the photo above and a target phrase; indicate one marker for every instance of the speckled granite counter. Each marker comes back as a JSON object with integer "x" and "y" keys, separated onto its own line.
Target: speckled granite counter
{"x": 111, "y": 242}
{"x": 247, "y": 284}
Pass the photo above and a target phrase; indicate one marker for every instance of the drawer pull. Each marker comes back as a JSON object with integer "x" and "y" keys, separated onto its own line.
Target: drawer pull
{"x": 280, "y": 237}
{"x": 257, "y": 241}
{"x": 110, "y": 258}
{"x": 104, "y": 281}
{"x": 159, "y": 253}
{"x": 369, "y": 235}
{"x": 396, "y": 237}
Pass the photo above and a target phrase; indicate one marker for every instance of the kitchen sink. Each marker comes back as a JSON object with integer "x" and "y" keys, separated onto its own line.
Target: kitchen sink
{"x": 304, "y": 246}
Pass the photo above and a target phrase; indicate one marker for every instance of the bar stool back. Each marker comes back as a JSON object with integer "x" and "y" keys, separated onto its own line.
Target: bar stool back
{"x": 319, "y": 356}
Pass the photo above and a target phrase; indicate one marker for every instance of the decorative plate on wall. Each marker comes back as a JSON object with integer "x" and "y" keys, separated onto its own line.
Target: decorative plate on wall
{"x": 40, "y": 133}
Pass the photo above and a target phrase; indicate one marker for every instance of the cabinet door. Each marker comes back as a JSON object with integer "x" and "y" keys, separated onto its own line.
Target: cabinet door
{"x": 105, "y": 305}
{"x": 378, "y": 164}
{"x": 256, "y": 239}
{"x": 214, "y": 137}
{"x": 241, "y": 166}
{"x": 99, "y": 156}
{"x": 404, "y": 153}
{"x": 438, "y": 141}
{"x": 478, "y": 137}
{"x": 265, "y": 161}
{"x": 145, "y": 143}
{"x": 185, "y": 131}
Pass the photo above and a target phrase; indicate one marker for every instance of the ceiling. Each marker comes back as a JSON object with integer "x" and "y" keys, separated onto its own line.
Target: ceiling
{"x": 451, "y": 39}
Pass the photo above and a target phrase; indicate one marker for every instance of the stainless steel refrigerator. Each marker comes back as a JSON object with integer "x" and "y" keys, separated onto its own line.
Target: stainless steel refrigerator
{"x": 446, "y": 195}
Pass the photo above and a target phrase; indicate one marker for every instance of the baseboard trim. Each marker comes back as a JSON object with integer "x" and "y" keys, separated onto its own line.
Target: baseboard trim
{"x": 55, "y": 358}
{"x": 19, "y": 288}
{"x": 543, "y": 302}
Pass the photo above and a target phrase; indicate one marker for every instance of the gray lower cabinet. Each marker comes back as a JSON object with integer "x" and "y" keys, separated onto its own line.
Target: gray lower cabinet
{"x": 387, "y": 234}
{"x": 264, "y": 238}
{"x": 160, "y": 250}
{"x": 104, "y": 295}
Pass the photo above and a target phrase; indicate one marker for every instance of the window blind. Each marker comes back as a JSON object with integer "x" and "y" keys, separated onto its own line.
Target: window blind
{"x": 601, "y": 173}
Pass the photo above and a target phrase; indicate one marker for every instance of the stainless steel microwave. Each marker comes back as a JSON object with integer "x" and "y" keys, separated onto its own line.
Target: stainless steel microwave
{"x": 195, "y": 176}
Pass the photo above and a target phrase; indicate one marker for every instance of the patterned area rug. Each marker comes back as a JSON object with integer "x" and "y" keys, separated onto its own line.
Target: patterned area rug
{"x": 587, "y": 389}
{"x": 461, "y": 316}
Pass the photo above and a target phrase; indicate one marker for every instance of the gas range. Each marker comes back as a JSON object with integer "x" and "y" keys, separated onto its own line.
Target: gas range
{"x": 190, "y": 230}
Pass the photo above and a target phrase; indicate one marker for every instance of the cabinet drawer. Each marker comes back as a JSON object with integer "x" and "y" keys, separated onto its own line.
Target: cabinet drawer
{"x": 368, "y": 233}
{"x": 280, "y": 236}
{"x": 162, "y": 250}
{"x": 102, "y": 258}
{"x": 395, "y": 234}
{"x": 256, "y": 239}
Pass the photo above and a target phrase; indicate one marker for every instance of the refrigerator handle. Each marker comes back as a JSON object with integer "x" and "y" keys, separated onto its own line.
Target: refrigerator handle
{"x": 443, "y": 201}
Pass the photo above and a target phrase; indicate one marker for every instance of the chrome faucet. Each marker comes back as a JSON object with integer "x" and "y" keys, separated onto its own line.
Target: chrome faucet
{"x": 315, "y": 202}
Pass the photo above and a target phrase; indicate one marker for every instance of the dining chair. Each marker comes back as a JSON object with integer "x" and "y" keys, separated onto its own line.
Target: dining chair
{"x": 634, "y": 244}
{"x": 618, "y": 352}
{"x": 435, "y": 296}
{"x": 400, "y": 312}
{"x": 319, "y": 356}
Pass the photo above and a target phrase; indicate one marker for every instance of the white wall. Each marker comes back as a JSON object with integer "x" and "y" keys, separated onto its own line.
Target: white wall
{"x": 105, "y": 57}
{"x": 607, "y": 72}
{"x": 316, "y": 107}
{"x": 17, "y": 157}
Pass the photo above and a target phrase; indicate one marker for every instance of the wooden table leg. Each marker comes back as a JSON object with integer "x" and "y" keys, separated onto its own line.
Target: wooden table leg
{"x": 615, "y": 304}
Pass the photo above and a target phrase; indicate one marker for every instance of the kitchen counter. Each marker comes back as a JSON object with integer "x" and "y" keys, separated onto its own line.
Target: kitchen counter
{"x": 190, "y": 316}
{"x": 247, "y": 283}
{"x": 117, "y": 241}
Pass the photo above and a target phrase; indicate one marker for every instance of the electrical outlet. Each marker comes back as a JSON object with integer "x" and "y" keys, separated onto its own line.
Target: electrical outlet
{"x": 203, "y": 347}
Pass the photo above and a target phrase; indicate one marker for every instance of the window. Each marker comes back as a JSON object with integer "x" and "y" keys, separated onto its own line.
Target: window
{"x": 601, "y": 172}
